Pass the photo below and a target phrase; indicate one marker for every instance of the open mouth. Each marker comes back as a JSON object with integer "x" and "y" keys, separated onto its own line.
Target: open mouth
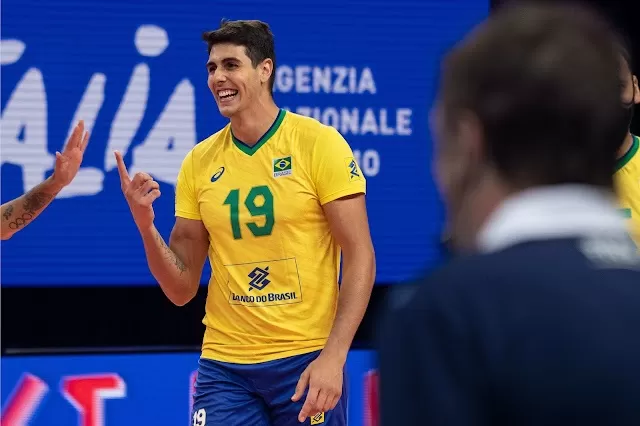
{"x": 227, "y": 94}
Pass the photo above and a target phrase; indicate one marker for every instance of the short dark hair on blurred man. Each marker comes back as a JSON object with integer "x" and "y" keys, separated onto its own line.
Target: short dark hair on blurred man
{"x": 530, "y": 97}
{"x": 542, "y": 86}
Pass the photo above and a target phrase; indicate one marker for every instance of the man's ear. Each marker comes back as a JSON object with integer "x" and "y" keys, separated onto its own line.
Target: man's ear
{"x": 266, "y": 70}
{"x": 471, "y": 132}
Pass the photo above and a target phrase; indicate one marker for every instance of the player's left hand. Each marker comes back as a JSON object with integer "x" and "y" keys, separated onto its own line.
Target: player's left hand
{"x": 68, "y": 162}
{"x": 323, "y": 377}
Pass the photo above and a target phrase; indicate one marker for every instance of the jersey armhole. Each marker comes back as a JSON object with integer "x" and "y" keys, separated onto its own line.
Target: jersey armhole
{"x": 342, "y": 193}
{"x": 187, "y": 215}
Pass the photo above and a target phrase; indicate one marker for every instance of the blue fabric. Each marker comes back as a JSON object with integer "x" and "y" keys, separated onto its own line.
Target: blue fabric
{"x": 541, "y": 333}
{"x": 256, "y": 394}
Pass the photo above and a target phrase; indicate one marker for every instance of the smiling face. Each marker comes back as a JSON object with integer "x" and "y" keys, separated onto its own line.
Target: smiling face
{"x": 234, "y": 81}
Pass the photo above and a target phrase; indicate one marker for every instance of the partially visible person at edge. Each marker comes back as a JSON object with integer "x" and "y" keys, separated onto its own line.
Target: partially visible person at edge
{"x": 627, "y": 174}
{"x": 274, "y": 198}
{"x": 537, "y": 322}
{"x": 20, "y": 212}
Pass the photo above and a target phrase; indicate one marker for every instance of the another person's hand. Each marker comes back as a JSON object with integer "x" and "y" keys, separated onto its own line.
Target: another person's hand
{"x": 68, "y": 162}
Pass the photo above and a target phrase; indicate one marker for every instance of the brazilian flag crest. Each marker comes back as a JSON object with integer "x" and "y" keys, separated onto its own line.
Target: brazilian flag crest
{"x": 282, "y": 167}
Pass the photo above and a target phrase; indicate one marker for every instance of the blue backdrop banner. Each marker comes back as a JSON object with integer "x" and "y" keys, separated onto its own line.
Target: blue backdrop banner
{"x": 135, "y": 72}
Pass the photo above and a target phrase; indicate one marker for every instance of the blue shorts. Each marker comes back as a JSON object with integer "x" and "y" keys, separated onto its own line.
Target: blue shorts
{"x": 256, "y": 394}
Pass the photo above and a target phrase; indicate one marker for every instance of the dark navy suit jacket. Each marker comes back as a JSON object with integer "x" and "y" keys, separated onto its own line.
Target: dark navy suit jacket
{"x": 540, "y": 332}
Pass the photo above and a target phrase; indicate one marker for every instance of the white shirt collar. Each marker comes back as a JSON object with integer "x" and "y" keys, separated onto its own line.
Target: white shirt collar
{"x": 561, "y": 211}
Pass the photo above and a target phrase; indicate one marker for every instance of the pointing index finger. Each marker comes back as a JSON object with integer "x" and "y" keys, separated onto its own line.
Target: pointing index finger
{"x": 122, "y": 169}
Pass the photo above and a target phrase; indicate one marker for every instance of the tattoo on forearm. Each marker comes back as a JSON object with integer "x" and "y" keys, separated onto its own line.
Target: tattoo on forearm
{"x": 179, "y": 264}
{"x": 35, "y": 202}
{"x": 7, "y": 212}
{"x": 20, "y": 221}
{"x": 171, "y": 255}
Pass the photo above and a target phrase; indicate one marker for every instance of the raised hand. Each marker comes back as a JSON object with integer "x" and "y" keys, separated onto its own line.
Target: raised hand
{"x": 140, "y": 193}
{"x": 68, "y": 162}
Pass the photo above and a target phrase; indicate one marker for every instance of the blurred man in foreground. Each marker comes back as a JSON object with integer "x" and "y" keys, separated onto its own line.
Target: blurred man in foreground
{"x": 537, "y": 324}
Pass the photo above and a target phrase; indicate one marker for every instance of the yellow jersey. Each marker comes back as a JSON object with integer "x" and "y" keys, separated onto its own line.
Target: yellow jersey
{"x": 627, "y": 182}
{"x": 273, "y": 290}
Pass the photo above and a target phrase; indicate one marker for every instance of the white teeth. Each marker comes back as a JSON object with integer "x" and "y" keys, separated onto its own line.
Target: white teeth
{"x": 224, "y": 93}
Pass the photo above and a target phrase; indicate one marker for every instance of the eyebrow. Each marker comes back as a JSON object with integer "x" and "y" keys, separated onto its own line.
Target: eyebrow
{"x": 225, "y": 60}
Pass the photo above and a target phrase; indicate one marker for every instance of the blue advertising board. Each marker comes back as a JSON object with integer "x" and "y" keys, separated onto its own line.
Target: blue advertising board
{"x": 135, "y": 72}
{"x": 143, "y": 389}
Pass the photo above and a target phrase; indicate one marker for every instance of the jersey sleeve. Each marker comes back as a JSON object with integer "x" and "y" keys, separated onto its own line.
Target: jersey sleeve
{"x": 186, "y": 199}
{"x": 335, "y": 171}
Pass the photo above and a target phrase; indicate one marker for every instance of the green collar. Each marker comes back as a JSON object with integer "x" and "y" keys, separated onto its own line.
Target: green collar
{"x": 622, "y": 161}
{"x": 250, "y": 150}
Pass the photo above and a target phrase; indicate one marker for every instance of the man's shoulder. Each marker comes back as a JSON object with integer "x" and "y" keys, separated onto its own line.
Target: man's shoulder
{"x": 528, "y": 264}
{"x": 306, "y": 132}
{"x": 216, "y": 138}
{"x": 304, "y": 124}
{"x": 210, "y": 144}
{"x": 478, "y": 265}
{"x": 460, "y": 272}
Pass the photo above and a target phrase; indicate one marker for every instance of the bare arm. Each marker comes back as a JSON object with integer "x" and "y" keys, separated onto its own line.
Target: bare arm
{"x": 178, "y": 266}
{"x": 18, "y": 213}
{"x": 349, "y": 226}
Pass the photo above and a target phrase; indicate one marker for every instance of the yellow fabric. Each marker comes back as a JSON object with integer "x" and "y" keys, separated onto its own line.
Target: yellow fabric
{"x": 627, "y": 181}
{"x": 274, "y": 287}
